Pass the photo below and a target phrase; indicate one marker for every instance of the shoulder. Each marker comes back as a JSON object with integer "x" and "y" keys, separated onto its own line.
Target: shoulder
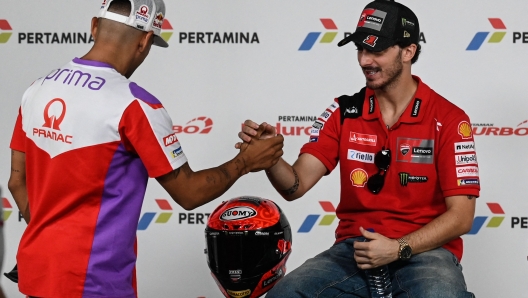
{"x": 140, "y": 93}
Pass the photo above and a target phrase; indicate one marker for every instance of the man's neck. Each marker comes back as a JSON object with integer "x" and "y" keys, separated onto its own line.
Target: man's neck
{"x": 394, "y": 99}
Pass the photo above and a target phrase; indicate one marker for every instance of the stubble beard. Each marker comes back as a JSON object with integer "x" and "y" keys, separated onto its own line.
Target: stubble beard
{"x": 393, "y": 73}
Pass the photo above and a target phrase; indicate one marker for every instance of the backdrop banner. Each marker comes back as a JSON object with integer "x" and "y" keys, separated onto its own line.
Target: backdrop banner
{"x": 278, "y": 61}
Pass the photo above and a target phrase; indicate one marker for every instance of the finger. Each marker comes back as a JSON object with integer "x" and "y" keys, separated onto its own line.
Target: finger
{"x": 251, "y": 124}
{"x": 367, "y": 233}
{"x": 259, "y": 132}
{"x": 237, "y": 145}
{"x": 250, "y": 131}
{"x": 244, "y": 137}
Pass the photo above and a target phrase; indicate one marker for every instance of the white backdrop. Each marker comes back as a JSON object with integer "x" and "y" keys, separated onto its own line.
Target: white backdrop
{"x": 227, "y": 83}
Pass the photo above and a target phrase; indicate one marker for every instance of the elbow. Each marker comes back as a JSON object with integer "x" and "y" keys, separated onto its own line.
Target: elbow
{"x": 466, "y": 226}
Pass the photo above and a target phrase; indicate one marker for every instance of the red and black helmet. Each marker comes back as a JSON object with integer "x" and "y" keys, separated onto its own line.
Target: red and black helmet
{"x": 248, "y": 243}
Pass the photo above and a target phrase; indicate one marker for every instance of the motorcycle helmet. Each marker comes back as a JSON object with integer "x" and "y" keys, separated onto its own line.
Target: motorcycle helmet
{"x": 248, "y": 241}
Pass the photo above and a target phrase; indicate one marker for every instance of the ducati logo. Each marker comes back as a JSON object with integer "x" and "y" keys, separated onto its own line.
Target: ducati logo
{"x": 404, "y": 148}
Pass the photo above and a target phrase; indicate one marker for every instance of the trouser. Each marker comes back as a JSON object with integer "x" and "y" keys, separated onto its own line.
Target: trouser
{"x": 334, "y": 273}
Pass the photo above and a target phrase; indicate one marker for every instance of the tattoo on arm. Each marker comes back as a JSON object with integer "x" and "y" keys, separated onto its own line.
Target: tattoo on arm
{"x": 295, "y": 186}
{"x": 15, "y": 170}
{"x": 471, "y": 197}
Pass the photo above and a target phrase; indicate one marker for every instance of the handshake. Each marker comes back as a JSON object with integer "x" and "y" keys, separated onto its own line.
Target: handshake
{"x": 261, "y": 147}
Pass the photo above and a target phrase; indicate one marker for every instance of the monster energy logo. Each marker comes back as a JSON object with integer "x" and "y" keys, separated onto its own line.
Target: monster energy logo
{"x": 406, "y": 178}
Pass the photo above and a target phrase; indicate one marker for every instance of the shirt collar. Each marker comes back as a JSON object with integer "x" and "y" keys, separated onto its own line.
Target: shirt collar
{"x": 414, "y": 112}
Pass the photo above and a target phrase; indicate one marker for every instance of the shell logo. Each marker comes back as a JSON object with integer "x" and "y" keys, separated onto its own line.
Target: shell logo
{"x": 464, "y": 130}
{"x": 358, "y": 177}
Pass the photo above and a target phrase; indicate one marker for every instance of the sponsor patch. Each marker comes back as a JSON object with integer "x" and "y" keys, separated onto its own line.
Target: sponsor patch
{"x": 358, "y": 177}
{"x": 415, "y": 150}
{"x": 406, "y": 178}
{"x": 314, "y": 139}
{"x": 177, "y": 152}
{"x": 325, "y": 115}
{"x": 467, "y": 172}
{"x": 371, "y": 40}
{"x": 372, "y": 104}
{"x": 464, "y": 130}
{"x": 464, "y": 182}
{"x": 318, "y": 125}
{"x": 372, "y": 18}
{"x": 272, "y": 279}
{"x": 461, "y": 147}
{"x": 466, "y": 159}
{"x": 142, "y": 14}
{"x": 363, "y": 139}
{"x": 333, "y": 107}
{"x": 314, "y": 132}
{"x": 170, "y": 139}
{"x": 416, "y": 107}
{"x": 365, "y": 157}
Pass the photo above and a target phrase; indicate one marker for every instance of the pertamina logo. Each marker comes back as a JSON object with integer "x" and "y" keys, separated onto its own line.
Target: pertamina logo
{"x": 312, "y": 37}
{"x": 494, "y": 222}
{"x": 166, "y": 30}
{"x": 163, "y": 217}
{"x": 497, "y": 36}
{"x": 363, "y": 139}
{"x": 201, "y": 125}
{"x": 4, "y": 26}
{"x": 489, "y": 129}
{"x": 311, "y": 219}
{"x": 54, "y": 114}
{"x": 8, "y": 209}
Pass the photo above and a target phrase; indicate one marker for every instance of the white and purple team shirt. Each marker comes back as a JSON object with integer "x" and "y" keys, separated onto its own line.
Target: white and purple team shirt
{"x": 92, "y": 139}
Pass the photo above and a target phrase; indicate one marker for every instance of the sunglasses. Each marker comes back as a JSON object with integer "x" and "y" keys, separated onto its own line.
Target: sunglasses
{"x": 382, "y": 161}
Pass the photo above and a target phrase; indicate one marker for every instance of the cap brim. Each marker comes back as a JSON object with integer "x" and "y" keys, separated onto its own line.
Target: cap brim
{"x": 160, "y": 42}
{"x": 368, "y": 41}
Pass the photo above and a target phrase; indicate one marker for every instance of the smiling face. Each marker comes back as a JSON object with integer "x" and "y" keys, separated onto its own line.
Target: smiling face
{"x": 381, "y": 69}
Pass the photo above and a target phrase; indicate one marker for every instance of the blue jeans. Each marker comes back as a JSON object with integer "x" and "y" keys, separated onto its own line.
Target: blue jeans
{"x": 334, "y": 273}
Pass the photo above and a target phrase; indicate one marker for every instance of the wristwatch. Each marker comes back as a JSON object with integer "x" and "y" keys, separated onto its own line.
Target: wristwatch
{"x": 405, "y": 251}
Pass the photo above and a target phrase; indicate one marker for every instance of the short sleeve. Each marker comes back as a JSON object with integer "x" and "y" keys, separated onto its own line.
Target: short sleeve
{"x": 324, "y": 137}
{"x": 18, "y": 140}
{"x": 458, "y": 170}
{"x": 146, "y": 129}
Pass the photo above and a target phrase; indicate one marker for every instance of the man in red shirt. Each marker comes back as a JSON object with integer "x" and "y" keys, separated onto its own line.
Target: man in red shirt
{"x": 408, "y": 170}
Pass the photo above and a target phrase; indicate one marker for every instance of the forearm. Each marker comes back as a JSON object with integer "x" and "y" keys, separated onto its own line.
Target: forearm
{"x": 206, "y": 185}
{"x": 446, "y": 227}
{"x": 285, "y": 180}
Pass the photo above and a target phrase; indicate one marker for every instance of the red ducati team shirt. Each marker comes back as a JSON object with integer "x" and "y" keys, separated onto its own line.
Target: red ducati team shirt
{"x": 432, "y": 157}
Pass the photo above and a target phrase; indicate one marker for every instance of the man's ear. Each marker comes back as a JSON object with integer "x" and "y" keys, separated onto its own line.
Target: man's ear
{"x": 409, "y": 52}
{"x": 95, "y": 25}
{"x": 146, "y": 41}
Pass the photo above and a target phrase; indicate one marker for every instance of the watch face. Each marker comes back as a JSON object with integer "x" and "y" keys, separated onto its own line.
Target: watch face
{"x": 405, "y": 253}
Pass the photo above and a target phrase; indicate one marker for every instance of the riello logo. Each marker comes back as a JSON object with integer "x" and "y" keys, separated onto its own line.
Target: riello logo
{"x": 311, "y": 219}
{"x": 494, "y": 222}
{"x": 489, "y": 129}
{"x": 163, "y": 217}
{"x": 5, "y": 31}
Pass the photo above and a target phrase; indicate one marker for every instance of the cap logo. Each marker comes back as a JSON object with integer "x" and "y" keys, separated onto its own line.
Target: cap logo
{"x": 406, "y": 34}
{"x": 238, "y": 213}
{"x": 407, "y": 23}
{"x": 158, "y": 20}
{"x": 372, "y": 18}
{"x": 371, "y": 40}
{"x": 142, "y": 14}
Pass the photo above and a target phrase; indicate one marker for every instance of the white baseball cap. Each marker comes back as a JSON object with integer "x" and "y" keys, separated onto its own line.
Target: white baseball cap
{"x": 145, "y": 15}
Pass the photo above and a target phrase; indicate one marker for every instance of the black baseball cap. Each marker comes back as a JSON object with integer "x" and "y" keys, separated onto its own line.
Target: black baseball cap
{"x": 384, "y": 23}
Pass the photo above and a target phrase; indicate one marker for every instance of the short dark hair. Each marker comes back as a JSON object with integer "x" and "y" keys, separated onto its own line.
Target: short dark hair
{"x": 122, "y": 7}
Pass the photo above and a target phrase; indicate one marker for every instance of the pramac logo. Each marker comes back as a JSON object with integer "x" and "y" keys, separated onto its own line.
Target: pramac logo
{"x": 464, "y": 130}
{"x": 237, "y": 213}
{"x": 358, "y": 177}
{"x": 52, "y": 121}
